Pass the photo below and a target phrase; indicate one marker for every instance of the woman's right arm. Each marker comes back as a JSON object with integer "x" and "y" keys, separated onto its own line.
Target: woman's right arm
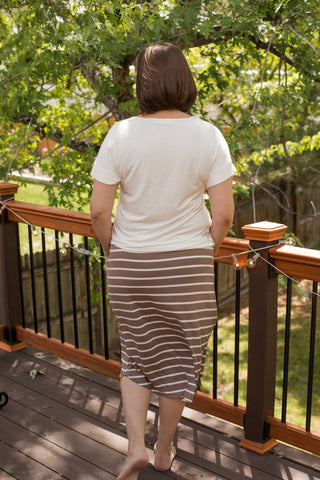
{"x": 222, "y": 211}
{"x": 101, "y": 207}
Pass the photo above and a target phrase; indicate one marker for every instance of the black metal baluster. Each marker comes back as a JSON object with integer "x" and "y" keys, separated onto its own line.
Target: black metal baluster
{"x": 23, "y": 317}
{"x": 86, "y": 246}
{"x": 74, "y": 298}
{"x": 59, "y": 286}
{"x": 237, "y": 339}
{"x": 104, "y": 304}
{"x": 286, "y": 352}
{"x": 215, "y": 339}
{"x": 45, "y": 280}
{"x": 311, "y": 354}
{"x": 33, "y": 289}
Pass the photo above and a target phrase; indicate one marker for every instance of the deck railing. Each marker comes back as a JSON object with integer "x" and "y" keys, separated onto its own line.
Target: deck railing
{"x": 261, "y": 247}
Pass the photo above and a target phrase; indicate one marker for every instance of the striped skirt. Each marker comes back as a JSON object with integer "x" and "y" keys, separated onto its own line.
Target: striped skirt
{"x": 165, "y": 307}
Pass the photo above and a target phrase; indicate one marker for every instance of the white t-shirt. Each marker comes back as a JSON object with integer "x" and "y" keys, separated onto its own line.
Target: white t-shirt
{"x": 163, "y": 166}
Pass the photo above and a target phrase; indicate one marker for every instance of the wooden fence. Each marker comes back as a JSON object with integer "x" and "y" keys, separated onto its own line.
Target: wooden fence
{"x": 300, "y": 212}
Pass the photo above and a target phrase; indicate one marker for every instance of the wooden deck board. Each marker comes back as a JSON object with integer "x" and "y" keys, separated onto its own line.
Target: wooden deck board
{"x": 68, "y": 423}
{"x": 19, "y": 462}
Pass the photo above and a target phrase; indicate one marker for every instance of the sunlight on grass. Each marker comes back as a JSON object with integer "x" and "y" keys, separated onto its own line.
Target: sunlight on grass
{"x": 298, "y": 361}
{"x": 32, "y": 193}
{"x": 298, "y": 364}
{"x": 35, "y": 193}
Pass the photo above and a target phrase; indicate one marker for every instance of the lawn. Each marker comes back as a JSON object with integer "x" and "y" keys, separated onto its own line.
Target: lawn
{"x": 35, "y": 193}
{"x": 298, "y": 360}
{"x": 32, "y": 193}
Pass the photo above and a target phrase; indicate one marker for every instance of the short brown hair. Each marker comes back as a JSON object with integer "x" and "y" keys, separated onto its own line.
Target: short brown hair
{"x": 164, "y": 79}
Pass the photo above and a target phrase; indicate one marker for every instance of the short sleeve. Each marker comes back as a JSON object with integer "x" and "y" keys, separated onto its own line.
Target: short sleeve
{"x": 104, "y": 168}
{"x": 222, "y": 167}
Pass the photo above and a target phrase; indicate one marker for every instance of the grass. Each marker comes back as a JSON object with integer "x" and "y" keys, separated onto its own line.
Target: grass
{"x": 298, "y": 361}
{"x": 32, "y": 193}
{"x": 298, "y": 364}
{"x": 35, "y": 193}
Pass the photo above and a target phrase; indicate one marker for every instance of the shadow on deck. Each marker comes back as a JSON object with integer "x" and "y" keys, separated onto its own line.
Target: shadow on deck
{"x": 67, "y": 423}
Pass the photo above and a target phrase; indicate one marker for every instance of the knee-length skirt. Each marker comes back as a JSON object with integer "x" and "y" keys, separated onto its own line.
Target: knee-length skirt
{"x": 165, "y": 306}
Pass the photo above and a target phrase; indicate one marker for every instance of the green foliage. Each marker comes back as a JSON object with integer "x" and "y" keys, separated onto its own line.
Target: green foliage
{"x": 66, "y": 70}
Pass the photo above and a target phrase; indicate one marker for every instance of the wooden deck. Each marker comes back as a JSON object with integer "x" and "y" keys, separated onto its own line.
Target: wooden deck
{"x": 67, "y": 423}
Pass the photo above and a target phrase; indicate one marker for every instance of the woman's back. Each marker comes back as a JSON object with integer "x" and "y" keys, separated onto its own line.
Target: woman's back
{"x": 163, "y": 165}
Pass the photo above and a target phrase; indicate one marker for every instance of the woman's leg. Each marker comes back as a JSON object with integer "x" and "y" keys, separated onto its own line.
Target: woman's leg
{"x": 170, "y": 411}
{"x": 135, "y": 403}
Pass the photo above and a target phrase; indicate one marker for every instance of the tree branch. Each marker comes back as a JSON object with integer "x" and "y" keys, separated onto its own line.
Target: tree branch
{"x": 305, "y": 40}
{"x": 200, "y": 41}
{"x": 19, "y": 149}
{"x": 93, "y": 77}
{"x": 77, "y": 145}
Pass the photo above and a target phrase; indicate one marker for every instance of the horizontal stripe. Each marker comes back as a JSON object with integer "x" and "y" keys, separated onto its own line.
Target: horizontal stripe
{"x": 162, "y": 310}
{"x": 154, "y": 348}
{"x": 115, "y": 272}
{"x": 168, "y": 367}
{"x": 156, "y": 354}
{"x": 176, "y": 374}
{"x": 159, "y": 353}
{"x": 168, "y": 303}
{"x": 163, "y": 294}
{"x": 159, "y": 344}
{"x": 162, "y": 278}
{"x": 165, "y": 318}
{"x": 166, "y": 286}
{"x": 183, "y": 366}
{"x": 146, "y": 332}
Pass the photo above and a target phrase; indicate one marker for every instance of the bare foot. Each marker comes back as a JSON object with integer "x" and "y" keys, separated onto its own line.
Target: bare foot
{"x": 163, "y": 460}
{"x": 135, "y": 462}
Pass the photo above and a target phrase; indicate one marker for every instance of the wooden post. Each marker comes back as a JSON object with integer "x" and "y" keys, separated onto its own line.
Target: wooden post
{"x": 10, "y": 306}
{"x": 262, "y": 349}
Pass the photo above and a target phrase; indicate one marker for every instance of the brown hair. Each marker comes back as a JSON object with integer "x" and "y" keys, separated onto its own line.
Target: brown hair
{"x": 164, "y": 79}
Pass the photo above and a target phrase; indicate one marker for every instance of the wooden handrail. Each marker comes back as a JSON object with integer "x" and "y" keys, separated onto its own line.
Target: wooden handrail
{"x": 294, "y": 435}
{"x": 233, "y": 245}
{"x": 51, "y": 217}
{"x": 293, "y": 261}
{"x": 8, "y": 188}
{"x": 297, "y": 262}
{"x": 79, "y": 223}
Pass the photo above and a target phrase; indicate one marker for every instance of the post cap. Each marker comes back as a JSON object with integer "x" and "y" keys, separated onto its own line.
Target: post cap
{"x": 264, "y": 231}
{"x": 7, "y": 188}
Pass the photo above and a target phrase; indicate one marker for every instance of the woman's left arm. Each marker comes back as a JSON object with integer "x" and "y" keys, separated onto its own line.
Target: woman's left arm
{"x": 222, "y": 211}
{"x": 101, "y": 207}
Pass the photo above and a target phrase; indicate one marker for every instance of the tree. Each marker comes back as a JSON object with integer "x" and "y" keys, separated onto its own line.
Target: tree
{"x": 67, "y": 73}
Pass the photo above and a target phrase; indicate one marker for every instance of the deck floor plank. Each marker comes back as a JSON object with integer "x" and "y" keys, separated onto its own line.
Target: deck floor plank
{"x": 73, "y": 434}
{"x": 69, "y": 421}
{"x": 43, "y": 451}
{"x": 19, "y": 462}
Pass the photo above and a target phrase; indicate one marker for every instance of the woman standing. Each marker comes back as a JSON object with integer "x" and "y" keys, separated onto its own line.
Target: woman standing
{"x": 160, "y": 250}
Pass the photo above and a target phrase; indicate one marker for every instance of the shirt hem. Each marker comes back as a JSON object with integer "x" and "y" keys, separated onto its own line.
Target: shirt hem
{"x": 168, "y": 248}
